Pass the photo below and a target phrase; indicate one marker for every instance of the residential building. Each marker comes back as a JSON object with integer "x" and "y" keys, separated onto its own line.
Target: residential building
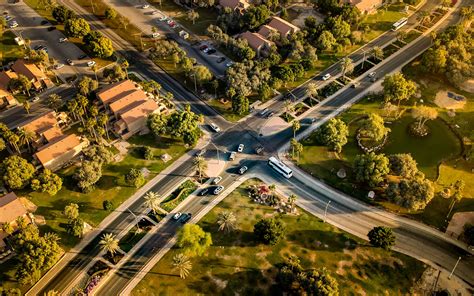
{"x": 366, "y": 6}
{"x": 285, "y": 28}
{"x": 57, "y": 153}
{"x": 11, "y": 208}
{"x": 5, "y": 77}
{"x": 45, "y": 127}
{"x": 133, "y": 121}
{"x": 6, "y": 99}
{"x": 235, "y": 5}
{"x": 38, "y": 78}
{"x": 257, "y": 42}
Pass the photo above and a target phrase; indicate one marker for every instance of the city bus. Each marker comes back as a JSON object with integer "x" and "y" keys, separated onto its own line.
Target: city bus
{"x": 280, "y": 167}
{"x": 400, "y": 23}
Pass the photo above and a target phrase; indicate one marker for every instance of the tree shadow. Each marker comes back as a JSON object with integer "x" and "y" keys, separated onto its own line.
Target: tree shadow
{"x": 235, "y": 238}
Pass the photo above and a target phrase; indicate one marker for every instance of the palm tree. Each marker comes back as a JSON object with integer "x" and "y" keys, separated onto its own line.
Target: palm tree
{"x": 377, "y": 52}
{"x": 109, "y": 243}
{"x": 192, "y": 15}
{"x": 7, "y": 228}
{"x": 291, "y": 201}
{"x": 124, "y": 64}
{"x": 423, "y": 17}
{"x": 12, "y": 139}
{"x": 226, "y": 221}
{"x": 200, "y": 164}
{"x": 312, "y": 90}
{"x": 152, "y": 201}
{"x": 94, "y": 68}
{"x": 72, "y": 108}
{"x": 296, "y": 125}
{"x": 55, "y": 102}
{"x": 296, "y": 147}
{"x": 103, "y": 119}
{"x": 346, "y": 66}
{"x": 25, "y": 137}
{"x": 27, "y": 107}
{"x": 182, "y": 264}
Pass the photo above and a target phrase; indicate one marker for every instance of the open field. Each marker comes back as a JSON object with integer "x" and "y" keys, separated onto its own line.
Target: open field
{"x": 237, "y": 263}
{"x": 9, "y": 50}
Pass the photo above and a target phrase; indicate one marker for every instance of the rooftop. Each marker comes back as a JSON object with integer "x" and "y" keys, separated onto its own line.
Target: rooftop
{"x": 129, "y": 99}
{"x": 233, "y": 4}
{"x": 254, "y": 40}
{"x": 139, "y": 111}
{"x": 116, "y": 91}
{"x": 11, "y": 208}
{"x": 52, "y": 150}
{"x": 282, "y": 26}
{"x": 29, "y": 70}
{"x": 41, "y": 123}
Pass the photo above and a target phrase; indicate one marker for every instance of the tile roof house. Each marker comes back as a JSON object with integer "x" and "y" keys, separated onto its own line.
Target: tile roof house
{"x": 55, "y": 154}
{"x": 10, "y": 209}
{"x": 39, "y": 79}
{"x": 5, "y": 77}
{"x": 366, "y": 6}
{"x": 235, "y": 5}
{"x": 44, "y": 127}
{"x": 257, "y": 42}
{"x": 6, "y": 98}
{"x": 283, "y": 27}
{"x": 130, "y": 106}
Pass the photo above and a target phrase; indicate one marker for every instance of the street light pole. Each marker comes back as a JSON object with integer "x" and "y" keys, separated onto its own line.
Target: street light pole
{"x": 326, "y": 210}
{"x": 454, "y": 268}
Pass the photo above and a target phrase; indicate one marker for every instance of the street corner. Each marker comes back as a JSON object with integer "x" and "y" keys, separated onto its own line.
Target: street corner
{"x": 273, "y": 126}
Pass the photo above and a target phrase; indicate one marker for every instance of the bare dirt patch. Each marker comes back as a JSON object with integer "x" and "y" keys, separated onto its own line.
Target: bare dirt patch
{"x": 303, "y": 11}
{"x": 449, "y": 100}
{"x": 468, "y": 86}
{"x": 456, "y": 225}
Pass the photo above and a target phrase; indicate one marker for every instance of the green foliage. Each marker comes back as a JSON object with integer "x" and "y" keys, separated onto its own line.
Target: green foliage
{"x": 148, "y": 153}
{"x": 71, "y": 211}
{"x": 371, "y": 168}
{"x": 413, "y": 194}
{"x": 202, "y": 73}
{"x": 135, "y": 178}
{"x": 339, "y": 28}
{"x": 193, "y": 240}
{"x": 240, "y": 104}
{"x": 75, "y": 227}
{"x": 158, "y": 123}
{"x": 403, "y": 165}
{"x": 397, "y": 88}
{"x": 98, "y": 45}
{"x": 269, "y": 231}
{"x": 61, "y": 13}
{"x": 107, "y": 205}
{"x": 87, "y": 175}
{"x": 16, "y": 172}
{"x": 264, "y": 92}
{"x": 3, "y": 145}
{"x": 99, "y": 154}
{"x": 373, "y": 128}
{"x": 382, "y": 237}
{"x": 255, "y": 16}
{"x": 76, "y": 27}
{"x": 333, "y": 134}
{"x": 326, "y": 40}
{"x": 9, "y": 291}
{"x": 86, "y": 85}
{"x": 110, "y": 13}
{"x": 116, "y": 73}
{"x": 48, "y": 182}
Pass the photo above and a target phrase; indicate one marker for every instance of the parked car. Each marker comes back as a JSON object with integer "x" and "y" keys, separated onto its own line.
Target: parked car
{"x": 177, "y": 215}
{"x": 206, "y": 50}
{"x": 218, "y": 190}
{"x": 8, "y": 18}
{"x": 211, "y": 51}
{"x": 154, "y": 12}
{"x": 243, "y": 169}
{"x": 240, "y": 148}
{"x": 372, "y": 74}
{"x": 259, "y": 149}
{"x": 155, "y": 35}
{"x": 62, "y": 39}
{"x": 220, "y": 60}
{"x": 203, "y": 192}
{"x": 91, "y": 63}
{"x": 13, "y": 24}
{"x": 70, "y": 62}
{"x": 185, "y": 218}
{"x": 214, "y": 127}
{"x": 163, "y": 18}
{"x": 58, "y": 66}
{"x": 35, "y": 99}
{"x": 217, "y": 180}
{"x": 326, "y": 76}
{"x": 263, "y": 112}
{"x": 232, "y": 155}
{"x": 229, "y": 64}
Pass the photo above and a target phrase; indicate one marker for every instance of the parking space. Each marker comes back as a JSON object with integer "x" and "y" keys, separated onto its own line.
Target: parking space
{"x": 42, "y": 34}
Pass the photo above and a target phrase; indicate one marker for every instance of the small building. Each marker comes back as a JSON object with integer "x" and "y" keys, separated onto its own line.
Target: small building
{"x": 6, "y": 99}
{"x": 11, "y": 209}
{"x": 366, "y": 6}
{"x": 235, "y": 5}
{"x": 5, "y": 77}
{"x": 285, "y": 28}
{"x": 54, "y": 155}
{"x": 134, "y": 120}
{"x": 257, "y": 42}
{"x": 45, "y": 127}
{"x": 37, "y": 77}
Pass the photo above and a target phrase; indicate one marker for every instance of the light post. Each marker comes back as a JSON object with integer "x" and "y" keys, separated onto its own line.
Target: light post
{"x": 454, "y": 268}
{"x": 326, "y": 210}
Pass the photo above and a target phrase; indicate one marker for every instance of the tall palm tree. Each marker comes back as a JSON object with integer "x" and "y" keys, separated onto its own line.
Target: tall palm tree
{"x": 423, "y": 17}
{"x": 201, "y": 164}
{"x": 377, "y": 52}
{"x": 94, "y": 68}
{"x": 152, "y": 201}
{"x": 55, "y": 102}
{"x": 182, "y": 264}
{"x": 346, "y": 66}
{"x": 25, "y": 137}
{"x": 103, "y": 119}
{"x": 27, "y": 107}
{"x": 226, "y": 221}
{"x": 109, "y": 243}
{"x": 13, "y": 140}
{"x": 312, "y": 90}
{"x": 72, "y": 106}
{"x": 292, "y": 200}
{"x": 295, "y": 125}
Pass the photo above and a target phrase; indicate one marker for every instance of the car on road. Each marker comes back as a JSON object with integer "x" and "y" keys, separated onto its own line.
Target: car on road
{"x": 204, "y": 192}
{"x": 44, "y": 22}
{"x": 259, "y": 149}
{"x": 163, "y": 18}
{"x": 206, "y": 50}
{"x": 232, "y": 155}
{"x": 145, "y": 6}
{"x": 62, "y": 39}
{"x": 38, "y": 47}
{"x": 91, "y": 63}
{"x": 82, "y": 56}
{"x": 270, "y": 114}
{"x": 200, "y": 152}
{"x": 203, "y": 47}
{"x": 220, "y": 60}
{"x": 243, "y": 169}
{"x": 372, "y": 74}
{"x": 229, "y": 64}
{"x": 70, "y": 62}
{"x": 177, "y": 215}
{"x": 58, "y": 66}
{"x": 211, "y": 51}
{"x": 326, "y": 76}
{"x": 154, "y": 12}
{"x": 217, "y": 180}
{"x": 240, "y": 148}
{"x": 12, "y": 24}
{"x": 218, "y": 190}
{"x": 185, "y": 218}
{"x": 52, "y": 28}
{"x": 373, "y": 79}
{"x": 35, "y": 99}
{"x": 8, "y": 18}
{"x": 263, "y": 112}
{"x": 214, "y": 127}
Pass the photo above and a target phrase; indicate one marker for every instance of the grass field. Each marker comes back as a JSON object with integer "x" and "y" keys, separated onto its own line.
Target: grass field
{"x": 238, "y": 265}
{"x": 9, "y": 50}
{"x": 382, "y": 20}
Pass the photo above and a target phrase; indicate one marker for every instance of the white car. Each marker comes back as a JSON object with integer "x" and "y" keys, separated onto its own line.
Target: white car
{"x": 35, "y": 99}
{"x": 177, "y": 215}
{"x": 218, "y": 190}
{"x": 243, "y": 169}
{"x": 163, "y": 18}
{"x": 232, "y": 155}
{"x": 58, "y": 66}
{"x": 91, "y": 63}
{"x": 13, "y": 25}
{"x": 372, "y": 74}
{"x": 229, "y": 64}
{"x": 206, "y": 50}
{"x": 154, "y": 12}
{"x": 155, "y": 35}
{"x": 326, "y": 76}
{"x": 240, "y": 148}
{"x": 217, "y": 180}
{"x": 62, "y": 39}
{"x": 145, "y": 6}
{"x": 215, "y": 127}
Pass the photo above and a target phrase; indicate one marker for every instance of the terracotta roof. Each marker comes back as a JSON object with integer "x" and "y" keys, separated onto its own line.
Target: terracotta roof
{"x": 11, "y": 208}
{"x": 41, "y": 123}
{"x": 53, "y": 150}
{"x": 266, "y": 30}
{"x": 139, "y": 112}
{"x": 7, "y": 95}
{"x": 365, "y": 5}
{"x": 5, "y": 77}
{"x": 254, "y": 40}
{"x": 52, "y": 134}
{"x": 233, "y": 4}
{"x": 29, "y": 70}
{"x": 128, "y": 100}
{"x": 116, "y": 91}
{"x": 282, "y": 26}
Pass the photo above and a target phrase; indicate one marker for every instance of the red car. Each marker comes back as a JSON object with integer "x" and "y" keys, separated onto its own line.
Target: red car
{"x": 172, "y": 24}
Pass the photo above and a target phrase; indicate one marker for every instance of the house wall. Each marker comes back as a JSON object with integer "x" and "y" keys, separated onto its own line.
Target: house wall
{"x": 57, "y": 162}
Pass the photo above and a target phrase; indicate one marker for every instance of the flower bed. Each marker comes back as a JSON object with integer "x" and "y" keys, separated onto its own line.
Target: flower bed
{"x": 180, "y": 194}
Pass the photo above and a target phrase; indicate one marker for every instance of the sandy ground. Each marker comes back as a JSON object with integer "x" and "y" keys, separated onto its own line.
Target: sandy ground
{"x": 468, "y": 86}
{"x": 303, "y": 12}
{"x": 430, "y": 278}
{"x": 215, "y": 166}
{"x": 443, "y": 101}
{"x": 456, "y": 225}
{"x": 273, "y": 125}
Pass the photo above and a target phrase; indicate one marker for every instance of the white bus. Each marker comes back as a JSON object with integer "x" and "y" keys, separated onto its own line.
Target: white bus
{"x": 400, "y": 23}
{"x": 280, "y": 167}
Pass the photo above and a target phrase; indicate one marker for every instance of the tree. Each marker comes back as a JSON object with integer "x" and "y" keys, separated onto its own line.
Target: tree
{"x": 55, "y": 102}
{"x": 255, "y": 16}
{"x": 116, "y": 73}
{"x": 312, "y": 89}
{"x": 48, "y": 182}
{"x": 7, "y": 228}
{"x": 240, "y": 104}
{"x": 25, "y": 137}
{"x": 371, "y": 168}
{"x": 109, "y": 243}
{"x": 264, "y": 92}
{"x": 152, "y": 201}
{"x": 24, "y": 83}
{"x": 397, "y": 88}
{"x": 201, "y": 165}
{"x": 193, "y": 240}
{"x": 413, "y": 194}
{"x": 61, "y": 13}
{"x": 110, "y": 13}
{"x": 16, "y": 172}
{"x": 295, "y": 125}
{"x": 86, "y": 85}
{"x": 403, "y": 165}
{"x": 469, "y": 234}
{"x": 346, "y": 66}
{"x": 423, "y": 114}
{"x": 373, "y": 128}
{"x": 87, "y": 175}
{"x": 107, "y": 205}
{"x": 202, "y": 74}
{"x": 182, "y": 264}
{"x": 3, "y": 145}
{"x": 135, "y": 178}
{"x": 377, "y": 52}
{"x": 333, "y": 134}
{"x": 98, "y": 45}
{"x": 27, "y": 107}
{"x": 158, "y": 123}
{"x": 71, "y": 211}
{"x": 12, "y": 139}
{"x": 326, "y": 40}
{"x": 184, "y": 122}
{"x": 381, "y": 237}
{"x": 296, "y": 148}
{"x": 192, "y": 15}
{"x": 226, "y": 221}
{"x": 76, "y": 27}
{"x": 75, "y": 227}
{"x": 457, "y": 189}
{"x": 99, "y": 154}
{"x": 269, "y": 231}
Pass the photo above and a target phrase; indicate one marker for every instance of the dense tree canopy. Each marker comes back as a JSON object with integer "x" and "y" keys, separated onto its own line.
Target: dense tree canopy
{"x": 62, "y": 13}
{"x": 88, "y": 174}
{"x": 98, "y": 45}
{"x": 269, "y": 231}
{"x": 17, "y": 172}
{"x": 99, "y": 154}
{"x": 403, "y": 165}
{"x": 135, "y": 178}
{"x": 371, "y": 168}
{"x": 333, "y": 134}
{"x": 255, "y": 16}
{"x": 413, "y": 194}
{"x": 76, "y": 27}
{"x": 397, "y": 88}
{"x": 382, "y": 237}
{"x": 374, "y": 128}
{"x": 240, "y": 104}
{"x": 193, "y": 240}
{"x": 47, "y": 181}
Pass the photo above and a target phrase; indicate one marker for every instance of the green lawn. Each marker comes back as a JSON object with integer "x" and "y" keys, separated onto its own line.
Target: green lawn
{"x": 382, "y": 20}
{"x": 179, "y": 195}
{"x": 237, "y": 264}
{"x": 9, "y": 50}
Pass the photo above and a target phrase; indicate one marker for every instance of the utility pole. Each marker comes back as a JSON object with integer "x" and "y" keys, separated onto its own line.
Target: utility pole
{"x": 454, "y": 268}
{"x": 326, "y": 210}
